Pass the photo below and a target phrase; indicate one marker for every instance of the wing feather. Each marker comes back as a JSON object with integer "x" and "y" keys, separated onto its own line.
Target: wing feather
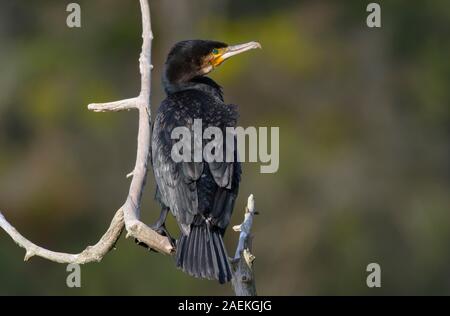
{"x": 183, "y": 186}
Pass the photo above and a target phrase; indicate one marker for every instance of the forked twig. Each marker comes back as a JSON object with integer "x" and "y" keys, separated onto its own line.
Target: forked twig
{"x": 128, "y": 214}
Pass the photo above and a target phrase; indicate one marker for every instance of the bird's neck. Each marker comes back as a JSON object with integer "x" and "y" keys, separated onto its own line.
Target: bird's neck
{"x": 200, "y": 83}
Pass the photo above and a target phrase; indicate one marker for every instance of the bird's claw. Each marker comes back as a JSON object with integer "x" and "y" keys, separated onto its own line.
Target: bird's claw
{"x": 162, "y": 230}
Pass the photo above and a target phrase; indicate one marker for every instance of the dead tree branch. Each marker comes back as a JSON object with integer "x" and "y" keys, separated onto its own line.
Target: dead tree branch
{"x": 90, "y": 254}
{"x": 243, "y": 277}
{"x": 128, "y": 214}
{"x": 131, "y": 209}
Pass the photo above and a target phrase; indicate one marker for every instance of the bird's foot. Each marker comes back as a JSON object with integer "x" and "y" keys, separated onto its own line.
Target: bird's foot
{"x": 140, "y": 243}
{"x": 162, "y": 230}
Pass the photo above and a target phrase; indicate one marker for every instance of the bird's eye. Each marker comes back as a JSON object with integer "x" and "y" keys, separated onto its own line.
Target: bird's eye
{"x": 215, "y": 51}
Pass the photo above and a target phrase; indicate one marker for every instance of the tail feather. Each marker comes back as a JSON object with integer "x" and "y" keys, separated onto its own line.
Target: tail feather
{"x": 224, "y": 256}
{"x": 195, "y": 253}
{"x": 202, "y": 254}
{"x": 222, "y": 262}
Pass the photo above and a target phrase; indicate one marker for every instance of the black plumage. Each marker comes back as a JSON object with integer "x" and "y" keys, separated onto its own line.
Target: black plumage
{"x": 201, "y": 195}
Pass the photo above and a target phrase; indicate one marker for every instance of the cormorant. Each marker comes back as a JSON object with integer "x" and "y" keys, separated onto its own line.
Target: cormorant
{"x": 200, "y": 195}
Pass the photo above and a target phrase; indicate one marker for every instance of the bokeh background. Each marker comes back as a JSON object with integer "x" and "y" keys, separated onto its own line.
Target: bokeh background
{"x": 364, "y": 141}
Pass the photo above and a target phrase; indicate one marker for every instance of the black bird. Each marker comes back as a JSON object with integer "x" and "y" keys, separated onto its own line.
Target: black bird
{"x": 200, "y": 195}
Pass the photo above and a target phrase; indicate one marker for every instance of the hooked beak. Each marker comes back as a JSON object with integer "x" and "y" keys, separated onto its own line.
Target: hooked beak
{"x": 234, "y": 50}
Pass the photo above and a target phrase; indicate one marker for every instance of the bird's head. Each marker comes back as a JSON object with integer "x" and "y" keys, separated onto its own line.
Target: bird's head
{"x": 193, "y": 58}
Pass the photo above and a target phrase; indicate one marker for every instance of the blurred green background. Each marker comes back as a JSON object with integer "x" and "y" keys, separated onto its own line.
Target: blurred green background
{"x": 364, "y": 141}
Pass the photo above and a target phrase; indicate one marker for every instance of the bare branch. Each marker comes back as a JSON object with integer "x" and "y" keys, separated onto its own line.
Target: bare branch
{"x": 131, "y": 209}
{"x": 243, "y": 277}
{"x": 90, "y": 254}
{"x": 148, "y": 236}
{"x": 116, "y": 106}
{"x": 128, "y": 214}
